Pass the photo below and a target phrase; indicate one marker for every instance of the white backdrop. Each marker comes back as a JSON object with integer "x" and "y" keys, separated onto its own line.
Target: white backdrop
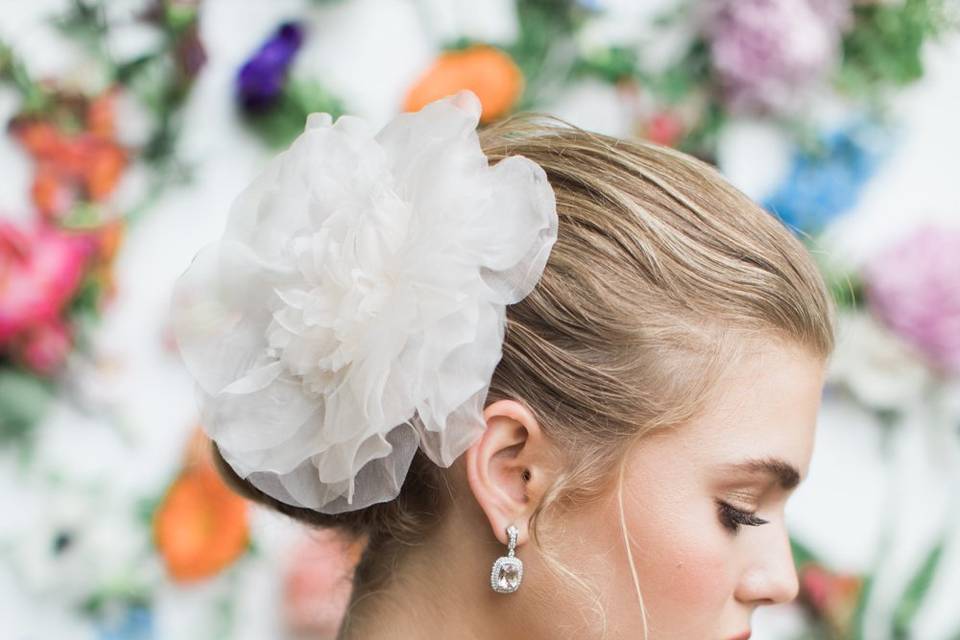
{"x": 143, "y": 390}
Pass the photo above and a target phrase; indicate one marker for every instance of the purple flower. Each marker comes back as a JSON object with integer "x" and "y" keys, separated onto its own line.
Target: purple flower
{"x": 914, "y": 287}
{"x": 260, "y": 80}
{"x": 768, "y": 53}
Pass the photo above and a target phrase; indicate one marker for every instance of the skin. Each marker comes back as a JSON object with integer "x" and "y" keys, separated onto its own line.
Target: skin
{"x": 699, "y": 579}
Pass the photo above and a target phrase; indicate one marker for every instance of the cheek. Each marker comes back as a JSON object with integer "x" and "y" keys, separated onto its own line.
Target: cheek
{"x": 684, "y": 562}
{"x": 684, "y": 566}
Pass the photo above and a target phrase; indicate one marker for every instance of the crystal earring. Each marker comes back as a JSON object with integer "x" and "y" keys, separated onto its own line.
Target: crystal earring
{"x": 507, "y": 570}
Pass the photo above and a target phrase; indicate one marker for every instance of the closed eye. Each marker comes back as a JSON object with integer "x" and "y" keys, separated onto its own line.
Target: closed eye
{"x": 732, "y": 518}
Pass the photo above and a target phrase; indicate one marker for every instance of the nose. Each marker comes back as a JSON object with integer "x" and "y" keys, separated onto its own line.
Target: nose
{"x": 771, "y": 576}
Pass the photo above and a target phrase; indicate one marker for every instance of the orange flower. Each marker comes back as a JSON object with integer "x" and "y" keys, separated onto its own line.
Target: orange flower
{"x": 100, "y": 114}
{"x": 38, "y": 138}
{"x": 201, "y": 527}
{"x": 91, "y": 160}
{"x": 50, "y": 193}
{"x": 104, "y": 166}
{"x": 488, "y": 72}
{"x": 197, "y": 451}
{"x": 109, "y": 237}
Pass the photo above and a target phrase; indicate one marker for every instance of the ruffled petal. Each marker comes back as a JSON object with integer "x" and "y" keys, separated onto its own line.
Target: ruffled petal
{"x": 218, "y": 312}
{"x": 354, "y": 309}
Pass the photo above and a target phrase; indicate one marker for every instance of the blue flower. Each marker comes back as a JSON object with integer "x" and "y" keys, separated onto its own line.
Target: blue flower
{"x": 826, "y": 181}
{"x": 261, "y": 79}
{"x": 136, "y": 623}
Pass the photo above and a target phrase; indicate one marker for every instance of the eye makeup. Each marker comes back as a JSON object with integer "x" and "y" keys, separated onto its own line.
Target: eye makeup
{"x": 732, "y": 518}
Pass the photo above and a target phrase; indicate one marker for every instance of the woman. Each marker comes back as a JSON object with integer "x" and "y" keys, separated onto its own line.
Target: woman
{"x": 593, "y": 356}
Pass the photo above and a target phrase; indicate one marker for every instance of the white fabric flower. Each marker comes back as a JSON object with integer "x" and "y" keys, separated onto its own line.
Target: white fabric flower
{"x": 354, "y": 308}
{"x": 876, "y": 367}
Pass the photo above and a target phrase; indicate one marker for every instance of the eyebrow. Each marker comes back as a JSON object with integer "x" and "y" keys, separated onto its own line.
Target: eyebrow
{"x": 785, "y": 473}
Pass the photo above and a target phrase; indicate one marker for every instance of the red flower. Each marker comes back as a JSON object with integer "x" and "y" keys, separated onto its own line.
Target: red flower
{"x": 665, "y": 128}
{"x": 832, "y": 597}
{"x": 40, "y": 270}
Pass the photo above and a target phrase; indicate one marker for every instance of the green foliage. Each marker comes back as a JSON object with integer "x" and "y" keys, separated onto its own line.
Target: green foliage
{"x": 885, "y": 48}
{"x": 179, "y": 16}
{"x": 691, "y": 80}
{"x": 544, "y": 50}
{"x": 146, "y": 507}
{"x": 12, "y": 69}
{"x": 846, "y": 287}
{"x": 691, "y": 73}
{"x": 802, "y": 555}
{"x": 24, "y": 400}
{"x": 857, "y": 625}
{"x": 612, "y": 64}
{"x": 914, "y": 594}
{"x": 285, "y": 120}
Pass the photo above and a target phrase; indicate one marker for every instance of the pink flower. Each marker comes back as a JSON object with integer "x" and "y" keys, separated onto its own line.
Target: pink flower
{"x": 665, "y": 128}
{"x": 914, "y": 287}
{"x": 831, "y": 596}
{"x": 45, "y": 347}
{"x": 768, "y": 53}
{"x": 318, "y": 583}
{"x": 40, "y": 270}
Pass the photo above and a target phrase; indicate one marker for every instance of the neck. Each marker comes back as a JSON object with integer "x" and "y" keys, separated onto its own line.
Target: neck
{"x": 439, "y": 589}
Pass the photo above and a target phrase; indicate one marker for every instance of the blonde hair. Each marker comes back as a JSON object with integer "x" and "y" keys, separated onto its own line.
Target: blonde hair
{"x": 661, "y": 268}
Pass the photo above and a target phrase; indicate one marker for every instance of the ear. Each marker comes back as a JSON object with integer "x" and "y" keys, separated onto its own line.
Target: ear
{"x": 510, "y": 467}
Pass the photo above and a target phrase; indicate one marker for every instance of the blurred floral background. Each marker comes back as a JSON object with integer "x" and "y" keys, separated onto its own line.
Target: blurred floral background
{"x": 130, "y": 125}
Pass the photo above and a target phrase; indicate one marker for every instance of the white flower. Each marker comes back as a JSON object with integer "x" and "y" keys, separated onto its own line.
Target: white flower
{"x": 450, "y": 20}
{"x": 81, "y": 542}
{"x": 595, "y": 105}
{"x": 876, "y": 367}
{"x": 355, "y": 306}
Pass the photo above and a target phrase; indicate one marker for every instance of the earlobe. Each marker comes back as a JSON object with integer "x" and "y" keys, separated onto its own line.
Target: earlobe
{"x": 506, "y": 468}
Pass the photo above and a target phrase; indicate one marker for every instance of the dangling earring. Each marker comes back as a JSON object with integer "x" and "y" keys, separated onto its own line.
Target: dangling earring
{"x": 507, "y": 570}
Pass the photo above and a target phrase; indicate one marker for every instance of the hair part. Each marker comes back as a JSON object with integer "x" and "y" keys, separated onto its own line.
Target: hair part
{"x": 661, "y": 271}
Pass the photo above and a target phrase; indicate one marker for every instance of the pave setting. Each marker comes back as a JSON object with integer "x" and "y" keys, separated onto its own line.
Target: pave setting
{"x": 507, "y": 571}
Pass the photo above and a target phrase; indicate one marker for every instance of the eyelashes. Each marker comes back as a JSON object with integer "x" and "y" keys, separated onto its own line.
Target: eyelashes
{"x": 732, "y": 518}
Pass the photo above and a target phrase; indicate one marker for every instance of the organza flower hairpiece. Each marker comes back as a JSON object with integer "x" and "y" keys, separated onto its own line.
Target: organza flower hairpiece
{"x": 354, "y": 308}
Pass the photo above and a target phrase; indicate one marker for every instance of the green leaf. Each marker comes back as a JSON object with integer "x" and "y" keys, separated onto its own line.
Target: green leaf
{"x": 611, "y": 64}
{"x": 847, "y": 288}
{"x": 285, "y": 121}
{"x": 915, "y": 592}
{"x": 859, "y": 614}
{"x": 35, "y": 99}
{"x": 146, "y": 507}
{"x": 179, "y": 16}
{"x": 886, "y": 45}
{"x": 802, "y": 554}
{"x": 24, "y": 401}
{"x": 544, "y": 50}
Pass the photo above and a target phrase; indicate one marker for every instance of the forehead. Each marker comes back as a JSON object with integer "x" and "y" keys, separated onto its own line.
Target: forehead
{"x": 764, "y": 405}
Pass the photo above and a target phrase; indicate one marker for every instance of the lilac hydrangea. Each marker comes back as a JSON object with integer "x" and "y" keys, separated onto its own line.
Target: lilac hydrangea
{"x": 260, "y": 80}
{"x": 914, "y": 287}
{"x": 768, "y": 53}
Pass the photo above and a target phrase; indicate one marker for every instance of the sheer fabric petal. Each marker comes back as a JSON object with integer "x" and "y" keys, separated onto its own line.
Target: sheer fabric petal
{"x": 354, "y": 308}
